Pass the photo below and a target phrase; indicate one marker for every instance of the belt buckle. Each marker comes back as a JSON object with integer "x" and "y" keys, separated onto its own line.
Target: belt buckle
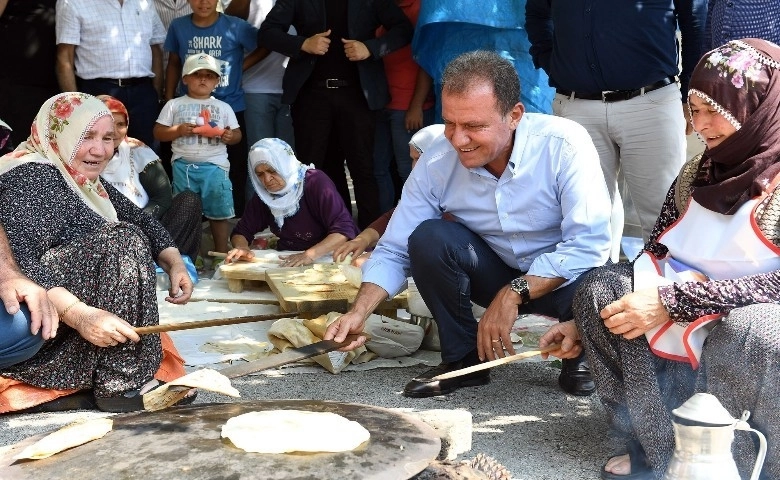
{"x": 328, "y": 80}
{"x": 119, "y": 82}
{"x": 604, "y": 95}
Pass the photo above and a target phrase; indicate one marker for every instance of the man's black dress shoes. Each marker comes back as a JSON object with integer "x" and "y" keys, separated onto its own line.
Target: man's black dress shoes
{"x": 422, "y": 386}
{"x": 575, "y": 377}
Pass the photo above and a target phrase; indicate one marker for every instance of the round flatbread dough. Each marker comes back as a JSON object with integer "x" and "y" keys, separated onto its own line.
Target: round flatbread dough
{"x": 285, "y": 431}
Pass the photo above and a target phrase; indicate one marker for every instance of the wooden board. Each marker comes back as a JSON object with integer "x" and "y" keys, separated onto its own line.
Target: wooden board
{"x": 253, "y": 291}
{"x": 320, "y": 297}
{"x": 238, "y": 274}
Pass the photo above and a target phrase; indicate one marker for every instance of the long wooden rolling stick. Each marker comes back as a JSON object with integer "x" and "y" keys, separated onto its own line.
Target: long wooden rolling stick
{"x": 496, "y": 362}
{"x": 169, "y": 327}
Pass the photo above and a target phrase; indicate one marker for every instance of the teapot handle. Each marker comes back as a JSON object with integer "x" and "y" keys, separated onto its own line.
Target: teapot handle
{"x": 743, "y": 425}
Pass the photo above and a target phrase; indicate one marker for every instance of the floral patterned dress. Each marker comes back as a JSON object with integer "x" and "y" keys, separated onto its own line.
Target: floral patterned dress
{"x": 109, "y": 265}
{"x": 739, "y": 363}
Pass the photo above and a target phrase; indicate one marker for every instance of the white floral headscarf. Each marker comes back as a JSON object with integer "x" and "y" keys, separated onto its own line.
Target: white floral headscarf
{"x": 279, "y": 156}
{"x": 55, "y": 138}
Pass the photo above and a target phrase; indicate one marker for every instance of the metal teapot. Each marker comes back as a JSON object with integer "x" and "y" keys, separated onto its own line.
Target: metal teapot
{"x": 703, "y": 434}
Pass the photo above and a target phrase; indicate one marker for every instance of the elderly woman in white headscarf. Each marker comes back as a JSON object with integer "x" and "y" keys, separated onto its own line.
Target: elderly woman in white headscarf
{"x": 369, "y": 237}
{"x": 93, "y": 251}
{"x": 299, "y": 203}
{"x": 137, "y": 172}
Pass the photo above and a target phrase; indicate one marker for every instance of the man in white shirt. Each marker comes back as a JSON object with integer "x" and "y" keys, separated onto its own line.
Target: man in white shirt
{"x": 531, "y": 215}
{"x": 113, "y": 47}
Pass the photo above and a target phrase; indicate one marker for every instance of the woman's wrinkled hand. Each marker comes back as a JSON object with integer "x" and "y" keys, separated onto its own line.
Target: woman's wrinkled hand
{"x": 239, "y": 253}
{"x": 295, "y": 260}
{"x": 181, "y": 284}
{"x": 635, "y": 314}
{"x": 101, "y": 328}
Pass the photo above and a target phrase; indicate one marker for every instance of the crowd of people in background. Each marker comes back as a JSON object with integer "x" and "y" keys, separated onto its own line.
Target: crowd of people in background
{"x": 542, "y": 126}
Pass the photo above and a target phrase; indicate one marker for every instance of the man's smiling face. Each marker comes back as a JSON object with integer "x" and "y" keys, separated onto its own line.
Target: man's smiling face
{"x": 477, "y": 130}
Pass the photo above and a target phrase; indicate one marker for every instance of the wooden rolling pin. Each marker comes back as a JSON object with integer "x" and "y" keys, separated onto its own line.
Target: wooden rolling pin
{"x": 496, "y": 362}
{"x": 253, "y": 260}
{"x": 169, "y": 327}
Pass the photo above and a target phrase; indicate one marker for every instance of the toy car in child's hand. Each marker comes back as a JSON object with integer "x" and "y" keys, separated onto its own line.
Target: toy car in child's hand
{"x": 206, "y": 127}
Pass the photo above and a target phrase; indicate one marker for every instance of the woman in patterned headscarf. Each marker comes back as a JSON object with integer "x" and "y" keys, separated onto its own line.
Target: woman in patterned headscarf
{"x": 94, "y": 251}
{"x": 136, "y": 171}
{"x": 299, "y": 203}
{"x": 711, "y": 271}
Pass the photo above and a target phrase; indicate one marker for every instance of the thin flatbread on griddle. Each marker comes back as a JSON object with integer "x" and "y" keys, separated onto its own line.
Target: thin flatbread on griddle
{"x": 287, "y": 431}
{"x": 207, "y": 379}
{"x": 67, "y": 437}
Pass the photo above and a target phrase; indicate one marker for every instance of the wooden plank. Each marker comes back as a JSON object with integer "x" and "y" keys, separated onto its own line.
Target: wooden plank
{"x": 245, "y": 271}
{"x": 321, "y": 297}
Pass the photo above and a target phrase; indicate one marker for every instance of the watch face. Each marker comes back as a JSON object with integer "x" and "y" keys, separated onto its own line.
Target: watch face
{"x": 520, "y": 286}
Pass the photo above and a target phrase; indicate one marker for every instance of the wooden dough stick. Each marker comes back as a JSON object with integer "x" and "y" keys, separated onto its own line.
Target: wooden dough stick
{"x": 169, "y": 327}
{"x": 251, "y": 260}
{"x": 496, "y": 362}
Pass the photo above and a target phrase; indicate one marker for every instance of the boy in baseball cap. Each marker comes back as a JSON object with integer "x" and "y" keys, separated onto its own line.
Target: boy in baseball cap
{"x": 199, "y": 127}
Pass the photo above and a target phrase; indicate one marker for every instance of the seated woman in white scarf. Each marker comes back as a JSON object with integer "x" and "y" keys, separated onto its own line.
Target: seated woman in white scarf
{"x": 299, "y": 203}
{"x": 137, "y": 172}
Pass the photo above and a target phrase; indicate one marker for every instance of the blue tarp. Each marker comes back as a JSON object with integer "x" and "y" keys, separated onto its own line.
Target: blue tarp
{"x": 447, "y": 28}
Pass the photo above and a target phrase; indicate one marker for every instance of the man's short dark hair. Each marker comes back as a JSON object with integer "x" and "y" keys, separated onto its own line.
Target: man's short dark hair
{"x": 483, "y": 65}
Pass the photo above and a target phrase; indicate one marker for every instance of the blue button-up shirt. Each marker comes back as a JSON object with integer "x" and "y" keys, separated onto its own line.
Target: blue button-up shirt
{"x": 590, "y": 46}
{"x": 735, "y": 19}
{"x": 548, "y": 213}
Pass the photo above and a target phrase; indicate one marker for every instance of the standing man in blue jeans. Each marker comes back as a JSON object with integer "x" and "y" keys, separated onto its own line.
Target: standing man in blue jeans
{"x": 27, "y": 319}
{"x": 530, "y": 215}
{"x": 614, "y": 65}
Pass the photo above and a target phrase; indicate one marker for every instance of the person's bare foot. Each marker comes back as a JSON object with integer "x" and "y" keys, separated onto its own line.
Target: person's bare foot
{"x": 619, "y": 465}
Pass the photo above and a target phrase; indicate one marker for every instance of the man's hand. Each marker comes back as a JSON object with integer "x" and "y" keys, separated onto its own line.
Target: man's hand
{"x": 355, "y": 50}
{"x": 495, "y": 326}
{"x": 317, "y": 44}
{"x": 354, "y": 247}
{"x": 635, "y": 313}
{"x": 43, "y": 314}
{"x": 567, "y": 335}
{"x": 348, "y": 323}
{"x": 99, "y": 327}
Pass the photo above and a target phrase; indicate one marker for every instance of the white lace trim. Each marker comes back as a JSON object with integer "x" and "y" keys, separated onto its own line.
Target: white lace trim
{"x": 718, "y": 108}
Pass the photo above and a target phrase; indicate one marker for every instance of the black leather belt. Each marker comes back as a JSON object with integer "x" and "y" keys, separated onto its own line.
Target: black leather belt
{"x": 332, "y": 83}
{"x": 123, "y": 82}
{"x": 618, "y": 95}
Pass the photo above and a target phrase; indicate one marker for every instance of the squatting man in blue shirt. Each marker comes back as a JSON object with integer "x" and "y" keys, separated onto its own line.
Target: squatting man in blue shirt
{"x": 530, "y": 215}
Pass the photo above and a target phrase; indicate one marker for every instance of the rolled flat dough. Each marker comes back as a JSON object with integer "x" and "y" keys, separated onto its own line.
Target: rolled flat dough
{"x": 285, "y": 431}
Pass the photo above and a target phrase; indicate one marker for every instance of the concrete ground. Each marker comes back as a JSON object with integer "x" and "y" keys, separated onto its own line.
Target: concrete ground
{"x": 521, "y": 419}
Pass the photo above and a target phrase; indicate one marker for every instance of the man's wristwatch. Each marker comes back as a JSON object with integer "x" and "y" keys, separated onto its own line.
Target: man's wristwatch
{"x": 520, "y": 286}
